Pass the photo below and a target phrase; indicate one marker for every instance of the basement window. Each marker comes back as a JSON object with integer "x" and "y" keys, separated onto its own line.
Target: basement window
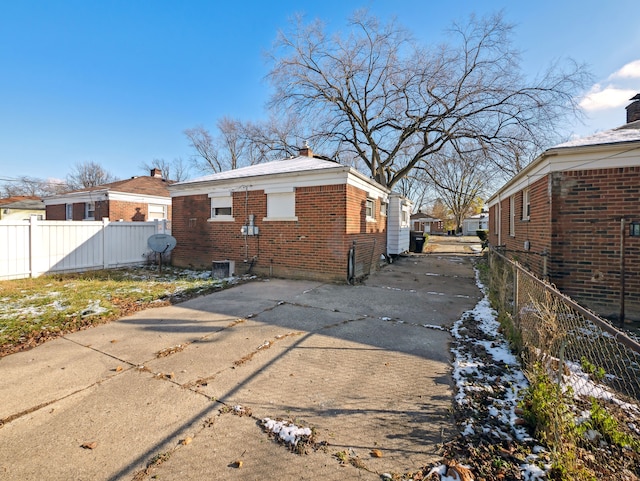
{"x": 634, "y": 229}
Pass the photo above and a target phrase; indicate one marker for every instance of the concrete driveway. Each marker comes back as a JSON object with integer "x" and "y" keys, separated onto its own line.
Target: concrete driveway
{"x": 152, "y": 396}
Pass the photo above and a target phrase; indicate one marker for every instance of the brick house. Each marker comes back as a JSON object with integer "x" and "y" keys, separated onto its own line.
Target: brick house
{"x": 304, "y": 217}
{"x": 142, "y": 198}
{"x": 573, "y": 216}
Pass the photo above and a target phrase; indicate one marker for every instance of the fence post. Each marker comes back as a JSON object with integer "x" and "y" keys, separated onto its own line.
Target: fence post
{"x": 33, "y": 248}
{"x": 105, "y": 223}
{"x": 621, "y": 315}
{"x": 516, "y": 287}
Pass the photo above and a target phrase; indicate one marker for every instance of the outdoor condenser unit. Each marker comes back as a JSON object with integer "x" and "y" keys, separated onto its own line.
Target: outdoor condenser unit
{"x": 223, "y": 269}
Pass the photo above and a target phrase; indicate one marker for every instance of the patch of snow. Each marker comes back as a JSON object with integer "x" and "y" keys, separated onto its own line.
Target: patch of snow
{"x": 287, "y": 432}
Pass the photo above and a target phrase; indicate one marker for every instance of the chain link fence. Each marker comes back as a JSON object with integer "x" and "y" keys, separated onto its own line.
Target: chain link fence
{"x": 591, "y": 361}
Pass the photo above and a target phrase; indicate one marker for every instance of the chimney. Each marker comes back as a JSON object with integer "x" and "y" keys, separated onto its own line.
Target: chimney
{"x": 305, "y": 151}
{"x": 633, "y": 109}
{"x": 155, "y": 172}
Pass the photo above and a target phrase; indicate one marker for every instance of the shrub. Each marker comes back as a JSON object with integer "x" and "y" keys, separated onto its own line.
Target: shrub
{"x": 482, "y": 234}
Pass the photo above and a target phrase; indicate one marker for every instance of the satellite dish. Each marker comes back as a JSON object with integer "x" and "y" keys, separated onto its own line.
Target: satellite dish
{"x": 161, "y": 243}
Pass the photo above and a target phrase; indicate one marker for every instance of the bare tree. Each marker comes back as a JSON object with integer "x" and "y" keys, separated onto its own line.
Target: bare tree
{"x": 206, "y": 154}
{"x": 220, "y": 152}
{"x": 30, "y": 186}
{"x": 176, "y": 170}
{"x": 88, "y": 174}
{"x": 393, "y": 103}
{"x": 459, "y": 179}
{"x": 236, "y": 144}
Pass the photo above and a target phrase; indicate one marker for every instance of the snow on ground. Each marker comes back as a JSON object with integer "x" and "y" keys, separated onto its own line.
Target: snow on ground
{"x": 498, "y": 374}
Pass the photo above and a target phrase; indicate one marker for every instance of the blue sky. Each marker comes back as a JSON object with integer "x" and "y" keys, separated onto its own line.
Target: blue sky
{"x": 116, "y": 82}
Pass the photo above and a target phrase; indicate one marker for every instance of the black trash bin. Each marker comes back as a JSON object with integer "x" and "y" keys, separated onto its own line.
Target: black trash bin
{"x": 419, "y": 242}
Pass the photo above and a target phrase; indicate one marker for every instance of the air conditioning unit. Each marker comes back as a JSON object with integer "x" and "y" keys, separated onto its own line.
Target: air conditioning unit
{"x": 223, "y": 269}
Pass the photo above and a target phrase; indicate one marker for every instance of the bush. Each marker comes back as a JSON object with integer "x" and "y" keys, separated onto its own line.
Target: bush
{"x": 482, "y": 234}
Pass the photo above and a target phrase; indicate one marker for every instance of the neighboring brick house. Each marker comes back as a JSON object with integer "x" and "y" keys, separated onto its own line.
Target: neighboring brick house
{"x": 422, "y": 222}
{"x": 143, "y": 198}
{"x": 579, "y": 203}
{"x": 294, "y": 218}
{"x": 21, "y": 207}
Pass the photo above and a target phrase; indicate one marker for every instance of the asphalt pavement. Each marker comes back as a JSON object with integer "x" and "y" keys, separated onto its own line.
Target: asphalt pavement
{"x": 180, "y": 392}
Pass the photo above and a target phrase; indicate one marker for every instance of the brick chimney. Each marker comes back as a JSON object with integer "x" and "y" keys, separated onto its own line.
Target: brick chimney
{"x": 305, "y": 151}
{"x": 155, "y": 172}
{"x": 633, "y": 109}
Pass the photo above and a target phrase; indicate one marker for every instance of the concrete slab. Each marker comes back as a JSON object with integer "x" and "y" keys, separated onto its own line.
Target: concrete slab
{"x": 232, "y": 438}
{"x": 354, "y": 362}
{"x": 53, "y": 371}
{"x": 131, "y": 418}
{"x": 137, "y": 338}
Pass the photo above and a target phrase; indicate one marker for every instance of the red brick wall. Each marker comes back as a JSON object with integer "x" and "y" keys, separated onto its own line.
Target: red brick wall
{"x": 127, "y": 211}
{"x": 55, "y": 212}
{"x": 580, "y": 228}
{"x": 536, "y": 230}
{"x": 113, "y": 209}
{"x": 78, "y": 211}
{"x": 587, "y": 209}
{"x": 314, "y": 247}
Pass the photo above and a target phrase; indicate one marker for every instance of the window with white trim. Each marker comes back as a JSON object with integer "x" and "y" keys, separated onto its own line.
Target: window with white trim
{"x": 157, "y": 212}
{"x": 526, "y": 205}
{"x": 69, "y": 212}
{"x": 370, "y": 209}
{"x": 222, "y": 208}
{"x": 405, "y": 218}
{"x": 281, "y": 206}
{"x": 89, "y": 211}
{"x": 384, "y": 208}
{"x": 512, "y": 216}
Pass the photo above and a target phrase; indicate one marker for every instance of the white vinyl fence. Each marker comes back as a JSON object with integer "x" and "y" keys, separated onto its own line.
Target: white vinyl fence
{"x": 34, "y": 247}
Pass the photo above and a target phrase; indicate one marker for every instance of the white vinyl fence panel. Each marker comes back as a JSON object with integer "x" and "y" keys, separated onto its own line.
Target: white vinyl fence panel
{"x": 32, "y": 248}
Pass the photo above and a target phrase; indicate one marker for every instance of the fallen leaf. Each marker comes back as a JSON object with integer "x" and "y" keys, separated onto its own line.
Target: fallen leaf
{"x": 376, "y": 453}
{"x": 459, "y": 472}
{"x": 113, "y": 341}
{"x": 91, "y": 445}
{"x": 186, "y": 441}
{"x": 238, "y": 464}
{"x": 118, "y": 369}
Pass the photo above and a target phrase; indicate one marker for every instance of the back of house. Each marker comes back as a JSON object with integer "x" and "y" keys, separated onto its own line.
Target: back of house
{"x": 303, "y": 217}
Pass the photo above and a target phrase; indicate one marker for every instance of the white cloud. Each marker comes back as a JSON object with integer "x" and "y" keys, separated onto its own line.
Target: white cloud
{"x": 628, "y": 71}
{"x": 609, "y": 97}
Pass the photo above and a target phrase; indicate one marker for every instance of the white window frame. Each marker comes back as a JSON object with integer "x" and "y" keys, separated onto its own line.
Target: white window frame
{"x": 281, "y": 206}
{"x": 68, "y": 211}
{"x": 219, "y": 206}
{"x": 526, "y": 204}
{"x": 384, "y": 208}
{"x": 157, "y": 209}
{"x": 405, "y": 218}
{"x": 512, "y": 216}
{"x": 88, "y": 210}
{"x": 370, "y": 209}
